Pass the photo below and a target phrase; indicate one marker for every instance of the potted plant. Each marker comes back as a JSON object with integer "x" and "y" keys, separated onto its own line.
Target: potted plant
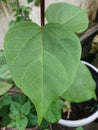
{"x": 44, "y": 62}
{"x": 86, "y": 120}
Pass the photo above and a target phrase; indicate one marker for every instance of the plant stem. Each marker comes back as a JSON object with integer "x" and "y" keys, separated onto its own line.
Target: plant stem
{"x": 42, "y": 12}
{"x": 50, "y": 126}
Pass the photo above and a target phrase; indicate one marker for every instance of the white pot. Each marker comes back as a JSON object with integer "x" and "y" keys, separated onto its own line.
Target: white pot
{"x": 81, "y": 122}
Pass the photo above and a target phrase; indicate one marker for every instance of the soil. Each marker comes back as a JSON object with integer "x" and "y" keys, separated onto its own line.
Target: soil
{"x": 81, "y": 110}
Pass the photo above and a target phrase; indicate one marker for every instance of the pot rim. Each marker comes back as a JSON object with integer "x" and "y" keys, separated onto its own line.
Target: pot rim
{"x": 84, "y": 121}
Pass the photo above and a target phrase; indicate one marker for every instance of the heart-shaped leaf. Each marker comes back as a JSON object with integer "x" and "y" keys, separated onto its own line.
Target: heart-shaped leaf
{"x": 71, "y": 17}
{"x": 42, "y": 61}
{"x": 83, "y": 87}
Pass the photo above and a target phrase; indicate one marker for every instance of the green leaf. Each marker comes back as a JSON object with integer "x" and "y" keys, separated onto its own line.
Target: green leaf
{"x": 37, "y": 3}
{"x": 15, "y": 108}
{"x": 4, "y": 116}
{"x": 46, "y": 129}
{"x": 4, "y": 1}
{"x": 54, "y": 112}
{"x": 6, "y": 120}
{"x": 79, "y": 128}
{"x": 21, "y": 123}
{"x": 32, "y": 119}
{"x": 83, "y": 87}
{"x": 71, "y": 17}
{"x": 4, "y": 87}
{"x": 25, "y": 9}
{"x": 29, "y": 1}
{"x": 43, "y": 125}
{"x": 38, "y": 59}
{"x": 13, "y": 4}
{"x": 21, "y": 98}
{"x": 5, "y": 100}
{"x": 25, "y": 109}
{"x": 4, "y": 72}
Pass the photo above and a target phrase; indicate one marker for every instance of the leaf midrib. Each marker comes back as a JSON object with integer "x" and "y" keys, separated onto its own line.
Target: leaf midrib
{"x": 42, "y": 60}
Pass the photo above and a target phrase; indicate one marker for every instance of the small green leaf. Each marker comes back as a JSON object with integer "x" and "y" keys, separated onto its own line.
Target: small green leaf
{"x": 25, "y": 109}
{"x": 12, "y": 124}
{"x": 4, "y": 1}
{"x": 32, "y": 119}
{"x": 5, "y": 100}
{"x": 4, "y": 87}
{"x": 15, "y": 108}
{"x": 21, "y": 123}
{"x": 29, "y": 1}
{"x": 43, "y": 125}
{"x": 37, "y": 2}
{"x": 21, "y": 98}
{"x": 46, "y": 129}
{"x": 25, "y": 9}
{"x": 4, "y": 116}
{"x": 83, "y": 87}
{"x": 79, "y": 128}
{"x": 13, "y": 4}
{"x": 54, "y": 112}
{"x": 6, "y": 120}
{"x": 71, "y": 17}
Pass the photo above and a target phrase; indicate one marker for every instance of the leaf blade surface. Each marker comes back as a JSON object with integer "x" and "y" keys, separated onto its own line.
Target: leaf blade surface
{"x": 39, "y": 61}
{"x": 71, "y": 17}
